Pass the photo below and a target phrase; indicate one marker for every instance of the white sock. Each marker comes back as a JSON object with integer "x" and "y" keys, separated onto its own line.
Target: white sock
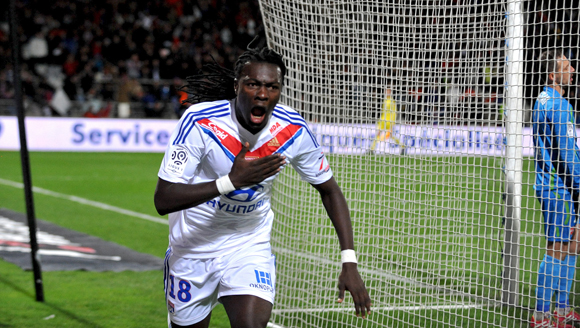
{"x": 539, "y": 316}
{"x": 564, "y": 310}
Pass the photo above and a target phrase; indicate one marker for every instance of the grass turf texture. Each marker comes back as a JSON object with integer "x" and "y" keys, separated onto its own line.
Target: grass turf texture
{"x": 89, "y": 299}
{"x": 435, "y": 222}
{"x": 131, "y": 299}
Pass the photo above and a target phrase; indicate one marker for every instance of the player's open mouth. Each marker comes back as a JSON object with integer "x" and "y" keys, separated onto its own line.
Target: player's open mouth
{"x": 257, "y": 115}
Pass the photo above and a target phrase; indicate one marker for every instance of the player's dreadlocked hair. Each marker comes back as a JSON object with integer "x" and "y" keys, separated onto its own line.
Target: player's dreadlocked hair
{"x": 217, "y": 83}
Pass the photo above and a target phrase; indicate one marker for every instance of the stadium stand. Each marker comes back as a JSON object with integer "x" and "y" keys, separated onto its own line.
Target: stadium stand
{"x": 137, "y": 53}
{"x": 106, "y": 52}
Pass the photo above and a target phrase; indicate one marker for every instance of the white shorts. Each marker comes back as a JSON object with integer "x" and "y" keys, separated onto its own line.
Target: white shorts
{"x": 193, "y": 287}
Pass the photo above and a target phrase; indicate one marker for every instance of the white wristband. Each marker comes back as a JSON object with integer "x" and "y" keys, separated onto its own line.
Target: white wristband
{"x": 225, "y": 185}
{"x": 348, "y": 256}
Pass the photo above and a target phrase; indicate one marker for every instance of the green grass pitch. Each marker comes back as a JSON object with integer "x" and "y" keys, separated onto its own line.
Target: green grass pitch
{"x": 89, "y": 299}
{"x": 135, "y": 299}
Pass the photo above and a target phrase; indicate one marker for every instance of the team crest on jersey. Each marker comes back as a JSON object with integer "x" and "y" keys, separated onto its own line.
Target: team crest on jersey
{"x": 170, "y": 307}
{"x": 177, "y": 160}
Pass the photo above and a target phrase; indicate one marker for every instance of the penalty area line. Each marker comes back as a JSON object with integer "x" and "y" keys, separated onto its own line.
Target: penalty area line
{"x": 85, "y": 201}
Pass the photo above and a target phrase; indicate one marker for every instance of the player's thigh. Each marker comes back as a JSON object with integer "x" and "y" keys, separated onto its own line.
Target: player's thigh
{"x": 247, "y": 311}
{"x": 191, "y": 290}
{"x": 559, "y": 216}
{"x": 202, "y": 324}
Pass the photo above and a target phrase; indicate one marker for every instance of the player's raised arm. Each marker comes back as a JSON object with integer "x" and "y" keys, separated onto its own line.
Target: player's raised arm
{"x": 349, "y": 279}
{"x": 170, "y": 197}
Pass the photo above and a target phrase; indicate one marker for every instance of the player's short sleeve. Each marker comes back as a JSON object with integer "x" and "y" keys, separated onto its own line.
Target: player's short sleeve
{"x": 182, "y": 159}
{"x": 310, "y": 161}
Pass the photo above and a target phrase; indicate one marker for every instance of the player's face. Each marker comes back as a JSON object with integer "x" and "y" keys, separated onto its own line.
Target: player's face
{"x": 563, "y": 76}
{"x": 258, "y": 90}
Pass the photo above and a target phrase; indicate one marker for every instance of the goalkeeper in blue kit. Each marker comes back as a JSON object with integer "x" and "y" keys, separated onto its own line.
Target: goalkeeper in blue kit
{"x": 557, "y": 187}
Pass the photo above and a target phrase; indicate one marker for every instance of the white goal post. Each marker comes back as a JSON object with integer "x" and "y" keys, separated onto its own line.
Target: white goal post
{"x": 447, "y": 226}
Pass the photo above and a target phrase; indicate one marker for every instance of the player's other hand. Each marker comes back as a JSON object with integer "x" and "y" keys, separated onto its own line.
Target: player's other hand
{"x": 350, "y": 280}
{"x": 250, "y": 172}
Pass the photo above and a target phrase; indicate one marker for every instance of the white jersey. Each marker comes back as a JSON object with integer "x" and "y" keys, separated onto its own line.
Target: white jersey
{"x": 203, "y": 147}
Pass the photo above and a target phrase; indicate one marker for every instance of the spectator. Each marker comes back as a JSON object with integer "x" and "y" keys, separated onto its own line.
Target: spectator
{"x": 70, "y": 66}
{"x": 129, "y": 90}
{"x": 94, "y": 106}
{"x": 36, "y": 50}
{"x": 133, "y": 65}
{"x": 153, "y": 100}
{"x": 178, "y": 97}
{"x": 6, "y": 84}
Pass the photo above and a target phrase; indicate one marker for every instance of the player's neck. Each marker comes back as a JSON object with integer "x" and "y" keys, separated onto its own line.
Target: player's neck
{"x": 558, "y": 88}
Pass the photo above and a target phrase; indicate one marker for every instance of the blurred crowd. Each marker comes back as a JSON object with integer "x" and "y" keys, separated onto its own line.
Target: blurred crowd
{"x": 128, "y": 58}
{"x": 120, "y": 58}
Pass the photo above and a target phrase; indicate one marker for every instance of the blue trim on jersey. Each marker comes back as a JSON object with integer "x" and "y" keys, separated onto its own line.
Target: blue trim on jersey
{"x": 217, "y": 140}
{"x": 166, "y": 271}
{"x": 293, "y": 118}
{"x": 188, "y": 122}
{"x": 193, "y": 124}
{"x": 289, "y": 142}
{"x": 192, "y": 114}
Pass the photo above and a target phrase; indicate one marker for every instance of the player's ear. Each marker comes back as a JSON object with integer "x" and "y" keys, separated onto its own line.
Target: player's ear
{"x": 551, "y": 77}
{"x": 236, "y": 86}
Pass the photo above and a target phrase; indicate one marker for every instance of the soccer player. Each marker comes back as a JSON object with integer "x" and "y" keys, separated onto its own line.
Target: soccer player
{"x": 215, "y": 182}
{"x": 557, "y": 187}
{"x": 386, "y": 123}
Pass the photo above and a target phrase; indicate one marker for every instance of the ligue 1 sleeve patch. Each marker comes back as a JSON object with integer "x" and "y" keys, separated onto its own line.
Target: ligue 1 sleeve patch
{"x": 178, "y": 157}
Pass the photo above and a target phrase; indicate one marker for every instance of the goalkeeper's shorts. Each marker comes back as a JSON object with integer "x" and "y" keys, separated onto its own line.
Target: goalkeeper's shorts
{"x": 193, "y": 287}
{"x": 559, "y": 215}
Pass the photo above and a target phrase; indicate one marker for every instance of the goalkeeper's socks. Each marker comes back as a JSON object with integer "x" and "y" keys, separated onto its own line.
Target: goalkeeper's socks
{"x": 540, "y": 316}
{"x": 548, "y": 282}
{"x": 567, "y": 270}
{"x": 563, "y": 310}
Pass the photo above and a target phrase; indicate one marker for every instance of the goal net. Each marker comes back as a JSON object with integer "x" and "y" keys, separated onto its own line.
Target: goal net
{"x": 427, "y": 130}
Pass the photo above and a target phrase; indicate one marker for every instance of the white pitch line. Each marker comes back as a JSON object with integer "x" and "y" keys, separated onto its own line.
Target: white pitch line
{"x": 386, "y": 308}
{"x": 369, "y": 271}
{"x": 273, "y": 325}
{"x": 88, "y": 202}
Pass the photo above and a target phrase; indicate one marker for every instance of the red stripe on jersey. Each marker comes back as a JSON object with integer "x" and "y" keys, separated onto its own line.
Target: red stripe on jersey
{"x": 235, "y": 146}
{"x": 276, "y": 142}
{"x": 227, "y": 140}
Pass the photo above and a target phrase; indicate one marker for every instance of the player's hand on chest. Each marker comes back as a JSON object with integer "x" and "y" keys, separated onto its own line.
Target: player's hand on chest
{"x": 249, "y": 170}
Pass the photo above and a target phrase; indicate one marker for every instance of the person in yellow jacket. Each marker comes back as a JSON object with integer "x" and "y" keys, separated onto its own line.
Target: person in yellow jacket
{"x": 386, "y": 123}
